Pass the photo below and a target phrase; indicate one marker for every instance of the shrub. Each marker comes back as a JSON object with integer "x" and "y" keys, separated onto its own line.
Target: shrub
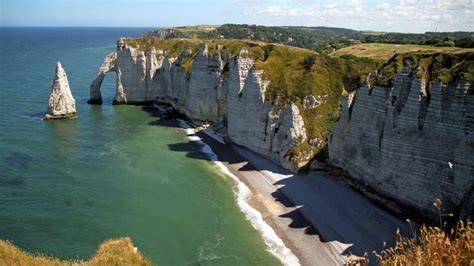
{"x": 432, "y": 245}
{"x": 111, "y": 252}
{"x": 308, "y": 62}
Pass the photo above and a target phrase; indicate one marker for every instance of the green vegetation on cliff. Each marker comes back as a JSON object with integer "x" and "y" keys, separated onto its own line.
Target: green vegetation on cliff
{"x": 442, "y": 67}
{"x": 320, "y": 39}
{"x": 111, "y": 252}
{"x": 294, "y": 73}
{"x": 384, "y": 51}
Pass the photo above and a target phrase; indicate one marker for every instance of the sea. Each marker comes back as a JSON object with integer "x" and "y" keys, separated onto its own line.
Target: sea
{"x": 66, "y": 186}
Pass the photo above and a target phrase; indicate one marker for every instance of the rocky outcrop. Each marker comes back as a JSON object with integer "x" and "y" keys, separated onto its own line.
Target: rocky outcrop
{"x": 310, "y": 102}
{"x": 216, "y": 88}
{"x": 411, "y": 143}
{"x": 61, "y": 104}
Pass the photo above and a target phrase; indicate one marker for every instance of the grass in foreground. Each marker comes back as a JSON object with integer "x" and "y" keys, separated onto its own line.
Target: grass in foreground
{"x": 384, "y": 51}
{"x": 433, "y": 246}
{"x": 430, "y": 245}
{"x": 111, "y": 252}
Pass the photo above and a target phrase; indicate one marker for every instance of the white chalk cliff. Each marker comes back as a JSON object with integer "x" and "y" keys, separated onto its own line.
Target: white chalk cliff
{"x": 408, "y": 148}
{"x": 217, "y": 89}
{"x": 392, "y": 140}
{"x": 61, "y": 104}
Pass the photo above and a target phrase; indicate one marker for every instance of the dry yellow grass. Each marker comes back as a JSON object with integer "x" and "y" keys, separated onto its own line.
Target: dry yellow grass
{"x": 384, "y": 51}
{"x": 433, "y": 246}
{"x": 430, "y": 245}
{"x": 111, "y": 252}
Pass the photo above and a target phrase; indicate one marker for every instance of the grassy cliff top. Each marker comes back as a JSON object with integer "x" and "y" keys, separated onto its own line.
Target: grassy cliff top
{"x": 111, "y": 252}
{"x": 384, "y": 51}
{"x": 442, "y": 67}
{"x": 174, "y": 47}
{"x": 293, "y": 72}
{"x": 321, "y": 39}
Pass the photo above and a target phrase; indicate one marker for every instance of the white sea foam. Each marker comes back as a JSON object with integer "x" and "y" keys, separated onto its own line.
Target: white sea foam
{"x": 241, "y": 193}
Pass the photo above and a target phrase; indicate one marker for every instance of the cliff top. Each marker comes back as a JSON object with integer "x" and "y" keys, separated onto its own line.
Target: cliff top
{"x": 438, "y": 67}
{"x": 385, "y": 51}
{"x": 297, "y": 73}
{"x": 293, "y": 72}
{"x": 320, "y": 39}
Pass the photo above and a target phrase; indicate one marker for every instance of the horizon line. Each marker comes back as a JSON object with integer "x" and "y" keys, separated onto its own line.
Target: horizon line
{"x": 155, "y": 27}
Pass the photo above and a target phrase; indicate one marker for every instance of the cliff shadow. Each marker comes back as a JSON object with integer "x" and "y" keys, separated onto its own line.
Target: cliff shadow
{"x": 229, "y": 153}
{"x": 297, "y": 218}
{"x": 321, "y": 205}
{"x": 190, "y": 148}
{"x": 339, "y": 213}
{"x": 331, "y": 208}
{"x": 151, "y": 111}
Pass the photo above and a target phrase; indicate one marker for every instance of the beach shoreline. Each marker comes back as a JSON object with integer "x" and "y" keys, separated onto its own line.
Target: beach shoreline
{"x": 322, "y": 220}
{"x": 243, "y": 195}
{"x": 303, "y": 248}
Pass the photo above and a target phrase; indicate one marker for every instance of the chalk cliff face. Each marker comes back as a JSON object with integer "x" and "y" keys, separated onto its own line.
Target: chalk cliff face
{"x": 61, "y": 104}
{"x": 410, "y": 144}
{"x": 252, "y": 121}
{"x": 217, "y": 89}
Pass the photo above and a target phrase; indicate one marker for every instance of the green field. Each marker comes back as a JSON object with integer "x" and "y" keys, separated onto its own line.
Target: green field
{"x": 385, "y": 51}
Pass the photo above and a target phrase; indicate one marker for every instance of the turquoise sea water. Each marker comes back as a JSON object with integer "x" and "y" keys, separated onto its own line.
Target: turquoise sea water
{"x": 65, "y": 186}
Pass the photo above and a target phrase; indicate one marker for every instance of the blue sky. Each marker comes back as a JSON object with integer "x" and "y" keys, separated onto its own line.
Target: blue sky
{"x": 383, "y": 15}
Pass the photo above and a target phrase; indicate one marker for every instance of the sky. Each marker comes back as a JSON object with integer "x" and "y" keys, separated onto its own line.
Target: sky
{"x": 374, "y": 15}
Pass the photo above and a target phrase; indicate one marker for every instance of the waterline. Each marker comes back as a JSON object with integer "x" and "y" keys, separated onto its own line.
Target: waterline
{"x": 275, "y": 245}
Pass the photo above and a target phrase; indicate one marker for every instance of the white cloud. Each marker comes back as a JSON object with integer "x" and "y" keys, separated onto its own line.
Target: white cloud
{"x": 383, "y": 6}
{"x": 456, "y": 5}
{"x": 276, "y": 11}
{"x": 248, "y": 1}
{"x": 398, "y": 15}
{"x": 408, "y": 2}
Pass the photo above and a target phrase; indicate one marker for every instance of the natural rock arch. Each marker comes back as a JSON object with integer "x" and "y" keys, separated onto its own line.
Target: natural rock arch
{"x": 108, "y": 65}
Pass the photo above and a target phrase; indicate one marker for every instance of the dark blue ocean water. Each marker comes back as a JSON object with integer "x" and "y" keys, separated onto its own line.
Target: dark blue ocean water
{"x": 65, "y": 186}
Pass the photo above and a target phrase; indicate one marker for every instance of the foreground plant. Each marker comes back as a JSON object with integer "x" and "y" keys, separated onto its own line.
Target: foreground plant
{"x": 111, "y": 252}
{"x": 433, "y": 246}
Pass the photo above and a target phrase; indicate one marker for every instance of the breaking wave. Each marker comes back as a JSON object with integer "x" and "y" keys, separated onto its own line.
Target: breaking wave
{"x": 275, "y": 245}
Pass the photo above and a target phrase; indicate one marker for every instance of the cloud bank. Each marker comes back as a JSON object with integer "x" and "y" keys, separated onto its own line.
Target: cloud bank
{"x": 399, "y": 15}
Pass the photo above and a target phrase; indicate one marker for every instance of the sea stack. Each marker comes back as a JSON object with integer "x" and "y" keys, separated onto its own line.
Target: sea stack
{"x": 61, "y": 104}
